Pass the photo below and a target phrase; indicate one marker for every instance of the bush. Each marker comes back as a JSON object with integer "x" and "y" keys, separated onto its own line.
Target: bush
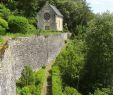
{"x": 32, "y": 21}
{"x": 99, "y": 92}
{"x": 2, "y": 31}
{"x": 4, "y": 12}
{"x": 71, "y": 62}
{"x": 27, "y": 77}
{"x": 31, "y": 29}
{"x": 25, "y": 91}
{"x": 3, "y": 26}
{"x": 18, "y": 24}
{"x": 71, "y": 91}
{"x": 56, "y": 81}
{"x": 1, "y": 40}
{"x": 32, "y": 89}
{"x": 39, "y": 81}
{"x": 26, "y": 84}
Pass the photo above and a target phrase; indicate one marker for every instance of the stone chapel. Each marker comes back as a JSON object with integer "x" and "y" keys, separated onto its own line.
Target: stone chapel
{"x": 50, "y": 18}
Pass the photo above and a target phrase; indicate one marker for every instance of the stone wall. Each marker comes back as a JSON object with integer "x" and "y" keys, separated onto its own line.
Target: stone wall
{"x": 7, "y": 75}
{"x": 34, "y": 51}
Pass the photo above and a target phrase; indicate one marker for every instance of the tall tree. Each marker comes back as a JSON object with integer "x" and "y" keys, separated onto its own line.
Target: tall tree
{"x": 99, "y": 60}
{"x": 27, "y": 7}
{"x": 76, "y": 12}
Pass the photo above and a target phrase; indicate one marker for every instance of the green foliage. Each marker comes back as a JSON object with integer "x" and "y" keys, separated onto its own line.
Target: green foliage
{"x": 25, "y": 91}
{"x": 76, "y": 12}
{"x": 31, "y": 83}
{"x": 3, "y": 23}
{"x": 71, "y": 62}
{"x": 1, "y": 40}
{"x": 31, "y": 29}
{"x": 32, "y": 20}
{"x": 4, "y": 12}
{"x": 18, "y": 24}
{"x": 39, "y": 81}
{"x": 71, "y": 91}
{"x": 27, "y": 8}
{"x": 56, "y": 81}
{"x": 27, "y": 77}
{"x": 3, "y": 26}
{"x": 2, "y": 30}
{"x": 99, "y": 61}
{"x": 99, "y": 92}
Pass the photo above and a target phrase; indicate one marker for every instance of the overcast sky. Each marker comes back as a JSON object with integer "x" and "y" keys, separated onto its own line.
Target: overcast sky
{"x": 101, "y": 5}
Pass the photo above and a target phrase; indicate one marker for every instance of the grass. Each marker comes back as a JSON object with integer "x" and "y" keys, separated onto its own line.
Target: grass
{"x": 5, "y": 37}
{"x": 2, "y": 40}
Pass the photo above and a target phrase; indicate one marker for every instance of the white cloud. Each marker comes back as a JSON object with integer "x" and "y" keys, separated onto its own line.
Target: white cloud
{"x": 101, "y": 5}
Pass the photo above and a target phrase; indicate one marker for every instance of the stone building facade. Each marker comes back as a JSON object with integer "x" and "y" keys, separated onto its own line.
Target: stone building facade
{"x": 50, "y": 18}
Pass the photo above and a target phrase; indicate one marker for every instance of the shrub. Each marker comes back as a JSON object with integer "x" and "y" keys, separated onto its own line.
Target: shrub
{"x": 3, "y": 23}
{"x": 56, "y": 81}
{"x": 4, "y": 12}
{"x": 27, "y": 77}
{"x": 3, "y": 26}
{"x": 25, "y": 91}
{"x": 32, "y": 21}
{"x": 71, "y": 62}
{"x": 99, "y": 92}
{"x": 32, "y": 89}
{"x": 31, "y": 29}
{"x": 39, "y": 81}
{"x": 2, "y": 31}
{"x": 26, "y": 84}
{"x": 71, "y": 91}
{"x": 18, "y": 24}
{"x": 1, "y": 40}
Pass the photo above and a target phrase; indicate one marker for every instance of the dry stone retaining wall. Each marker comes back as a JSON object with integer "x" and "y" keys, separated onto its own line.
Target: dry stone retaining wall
{"x": 35, "y": 51}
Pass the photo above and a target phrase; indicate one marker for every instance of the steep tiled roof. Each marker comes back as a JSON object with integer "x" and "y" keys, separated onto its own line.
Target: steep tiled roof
{"x": 56, "y": 10}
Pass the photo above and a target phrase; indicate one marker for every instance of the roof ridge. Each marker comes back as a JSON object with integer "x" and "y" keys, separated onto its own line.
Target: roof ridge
{"x": 56, "y": 10}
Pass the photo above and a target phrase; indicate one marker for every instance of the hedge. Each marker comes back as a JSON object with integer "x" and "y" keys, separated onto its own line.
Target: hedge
{"x": 18, "y": 24}
{"x": 71, "y": 91}
{"x": 3, "y": 26}
{"x": 4, "y": 12}
{"x": 56, "y": 81}
{"x": 40, "y": 79}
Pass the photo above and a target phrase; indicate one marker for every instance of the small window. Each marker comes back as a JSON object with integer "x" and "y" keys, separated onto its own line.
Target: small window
{"x": 47, "y": 27}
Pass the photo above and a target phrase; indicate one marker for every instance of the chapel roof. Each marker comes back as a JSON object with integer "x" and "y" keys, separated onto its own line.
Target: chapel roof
{"x": 56, "y": 10}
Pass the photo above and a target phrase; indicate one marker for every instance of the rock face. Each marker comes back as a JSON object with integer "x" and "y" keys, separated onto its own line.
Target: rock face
{"x": 33, "y": 51}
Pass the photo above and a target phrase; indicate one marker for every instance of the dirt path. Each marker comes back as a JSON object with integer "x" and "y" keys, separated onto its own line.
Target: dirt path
{"x": 47, "y": 88}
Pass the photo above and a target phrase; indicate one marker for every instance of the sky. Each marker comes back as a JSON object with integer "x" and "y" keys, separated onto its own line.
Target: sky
{"x": 100, "y": 6}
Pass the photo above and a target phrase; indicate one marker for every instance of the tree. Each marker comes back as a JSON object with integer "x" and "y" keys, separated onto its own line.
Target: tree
{"x": 27, "y": 76}
{"x": 99, "y": 60}
{"x": 76, "y": 12}
{"x": 71, "y": 62}
{"x": 99, "y": 92}
{"x": 27, "y": 7}
{"x": 71, "y": 91}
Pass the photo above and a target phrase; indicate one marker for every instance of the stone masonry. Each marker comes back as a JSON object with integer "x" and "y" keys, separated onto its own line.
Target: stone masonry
{"x": 35, "y": 51}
